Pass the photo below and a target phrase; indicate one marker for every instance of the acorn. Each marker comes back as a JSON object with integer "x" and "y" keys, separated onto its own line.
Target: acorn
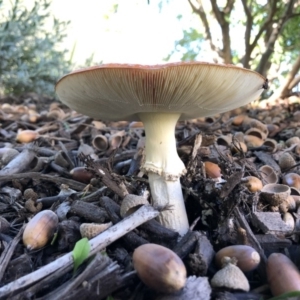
{"x": 247, "y": 257}
{"x": 159, "y": 268}
{"x": 239, "y": 136}
{"x": 99, "y": 125}
{"x": 56, "y": 114}
{"x": 292, "y": 180}
{"x": 212, "y": 170}
{"x": 136, "y": 124}
{"x": 32, "y": 116}
{"x": 7, "y": 108}
{"x": 27, "y": 136}
{"x": 289, "y": 220}
{"x": 238, "y": 120}
{"x": 81, "y": 174}
{"x": 297, "y": 149}
{"x": 252, "y": 183}
{"x": 283, "y": 276}
{"x": 241, "y": 148}
{"x": 286, "y": 161}
{"x": 292, "y": 141}
{"x": 253, "y": 141}
{"x": 273, "y": 129}
{"x": 40, "y": 229}
{"x": 289, "y": 204}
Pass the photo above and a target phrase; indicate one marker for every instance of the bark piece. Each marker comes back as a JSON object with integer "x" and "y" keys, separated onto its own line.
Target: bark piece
{"x": 99, "y": 279}
{"x": 231, "y": 183}
{"x": 68, "y": 235}
{"x": 186, "y": 244}
{"x": 267, "y": 159}
{"x": 270, "y": 222}
{"x": 18, "y": 267}
{"x": 88, "y": 211}
{"x": 272, "y": 242}
{"x": 159, "y": 233}
{"x": 202, "y": 257}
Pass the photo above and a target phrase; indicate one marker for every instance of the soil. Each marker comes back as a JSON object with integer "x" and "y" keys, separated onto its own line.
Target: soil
{"x": 55, "y": 159}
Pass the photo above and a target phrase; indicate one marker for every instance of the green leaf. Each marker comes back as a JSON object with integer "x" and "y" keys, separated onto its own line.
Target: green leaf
{"x": 109, "y": 298}
{"x": 54, "y": 238}
{"x": 286, "y": 296}
{"x": 80, "y": 252}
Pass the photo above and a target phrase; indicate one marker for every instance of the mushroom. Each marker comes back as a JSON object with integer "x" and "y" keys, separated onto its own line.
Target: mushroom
{"x": 159, "y": 96}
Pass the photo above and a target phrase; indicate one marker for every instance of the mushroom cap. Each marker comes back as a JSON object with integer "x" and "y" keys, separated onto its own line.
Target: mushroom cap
{"x": 193, "y": 89}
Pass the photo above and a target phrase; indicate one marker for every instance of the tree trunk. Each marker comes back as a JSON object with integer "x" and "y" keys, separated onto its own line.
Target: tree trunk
{"x": 291, "y": 81}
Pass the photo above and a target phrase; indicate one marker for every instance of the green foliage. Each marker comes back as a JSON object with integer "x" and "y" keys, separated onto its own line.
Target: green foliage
{"x": 189, "y": 45}
{"x": 29, "y": 59}
{"x": 264, "y": 54}
{"x": 286, "y": 296}
{"x": 81, "y": 252}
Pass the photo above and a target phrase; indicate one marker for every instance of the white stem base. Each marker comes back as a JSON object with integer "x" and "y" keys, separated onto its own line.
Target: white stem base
{"x": 169, "y": 193}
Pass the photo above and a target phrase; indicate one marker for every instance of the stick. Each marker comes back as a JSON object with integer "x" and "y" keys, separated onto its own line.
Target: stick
{"x": 8, "y": 252}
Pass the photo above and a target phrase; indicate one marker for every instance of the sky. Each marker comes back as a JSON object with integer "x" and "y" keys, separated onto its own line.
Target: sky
{"x": 138, "y": 33}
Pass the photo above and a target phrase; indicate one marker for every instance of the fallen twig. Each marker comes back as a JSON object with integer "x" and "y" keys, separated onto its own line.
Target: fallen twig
{"x": 73, "y": 184}
{"x": 8, "y": 252}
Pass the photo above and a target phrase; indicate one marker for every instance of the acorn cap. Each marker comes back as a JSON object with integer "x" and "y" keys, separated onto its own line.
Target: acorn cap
{"x": 131, "y": 203}
{"x": 90, "y": 230}
{"x": 230, "y": 276}
{"x": 268, "y": 174}
{"x": 194, "y": 89}
{"x": 275, "y": 194}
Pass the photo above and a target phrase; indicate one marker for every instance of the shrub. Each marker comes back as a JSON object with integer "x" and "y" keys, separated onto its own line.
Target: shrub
{"x": 29, "y": 55}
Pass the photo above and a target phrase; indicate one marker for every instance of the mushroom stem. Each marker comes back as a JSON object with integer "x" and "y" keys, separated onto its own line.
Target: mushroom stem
{"x": 161, "y": 151}
{"x": 169, "y": 193}
{"x": 164, "y": 168}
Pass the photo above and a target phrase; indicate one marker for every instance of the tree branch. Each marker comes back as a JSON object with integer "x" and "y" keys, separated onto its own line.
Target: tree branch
{"x": 294, "y": 82}
{"x": 262, "y": 66}
{"x": 229, "y": 6}
{"x": 269, "y": 21}
{"x": 291, "y": 79}
{"x": 202, "y": 14}
{"x": 249, "y": 23}
{"x": 221, "y": 18}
